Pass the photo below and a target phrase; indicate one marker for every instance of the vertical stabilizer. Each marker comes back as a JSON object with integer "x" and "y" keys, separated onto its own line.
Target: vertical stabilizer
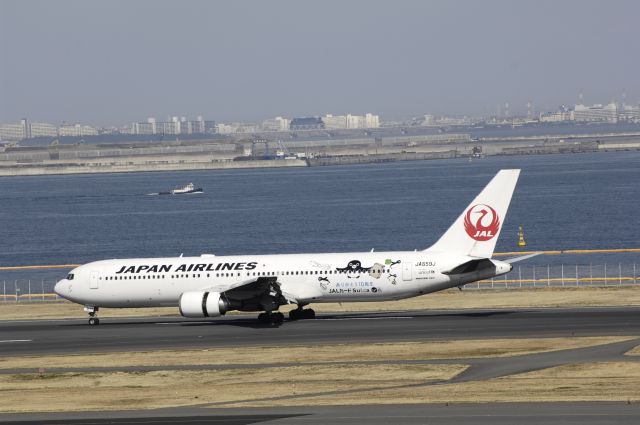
{"x": 476, "y": 231}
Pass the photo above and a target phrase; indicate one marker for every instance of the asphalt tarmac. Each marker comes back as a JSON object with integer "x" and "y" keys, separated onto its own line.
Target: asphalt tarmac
{"x": 75, "y": 336}
{"x": 592, "y": 413}
{"x": 38, "y": 337}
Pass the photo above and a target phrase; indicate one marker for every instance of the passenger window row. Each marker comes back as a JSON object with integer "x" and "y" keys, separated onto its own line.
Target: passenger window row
{"x": 249, "y": 274}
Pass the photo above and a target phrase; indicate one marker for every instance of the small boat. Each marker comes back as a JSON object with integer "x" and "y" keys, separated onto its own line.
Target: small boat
{"x": 184, "y": 190}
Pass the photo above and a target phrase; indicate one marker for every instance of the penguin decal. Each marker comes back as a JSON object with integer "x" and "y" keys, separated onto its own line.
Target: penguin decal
{"x": 353, "y": 269}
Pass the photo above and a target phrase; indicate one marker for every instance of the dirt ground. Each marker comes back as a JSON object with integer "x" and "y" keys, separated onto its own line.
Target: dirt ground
{"x": 306, "y": 380}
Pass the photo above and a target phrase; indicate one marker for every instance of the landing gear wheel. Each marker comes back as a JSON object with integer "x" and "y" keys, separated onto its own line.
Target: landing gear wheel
{"x": 92, "y": 310}
{"x": 271, "y": 318}
{"x": 277, "y": 318}
{"x": 299, "y": 314}
{"x": 295, "y": 314}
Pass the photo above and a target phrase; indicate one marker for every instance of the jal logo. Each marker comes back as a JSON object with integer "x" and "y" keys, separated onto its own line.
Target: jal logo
{"x": 481, "y": 222}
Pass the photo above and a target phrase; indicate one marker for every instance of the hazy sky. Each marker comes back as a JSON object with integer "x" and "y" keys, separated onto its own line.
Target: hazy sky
{"x": 114, "y": 62}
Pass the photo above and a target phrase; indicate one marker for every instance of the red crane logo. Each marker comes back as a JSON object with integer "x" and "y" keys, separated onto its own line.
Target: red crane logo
{"x": 481, "y": 231}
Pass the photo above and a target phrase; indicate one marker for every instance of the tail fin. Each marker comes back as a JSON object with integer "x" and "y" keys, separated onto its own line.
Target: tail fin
{"x": 476, "y": 231}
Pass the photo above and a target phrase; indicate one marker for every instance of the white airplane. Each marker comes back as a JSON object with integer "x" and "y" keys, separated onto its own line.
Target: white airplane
{"x": 210, "y": 286}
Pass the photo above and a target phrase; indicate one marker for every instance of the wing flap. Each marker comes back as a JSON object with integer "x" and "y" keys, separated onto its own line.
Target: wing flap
{"x": 245, "y": 289}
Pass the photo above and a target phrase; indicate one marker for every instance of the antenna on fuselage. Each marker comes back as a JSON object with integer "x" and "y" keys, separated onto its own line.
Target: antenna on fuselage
{"x": 181, "y": 254}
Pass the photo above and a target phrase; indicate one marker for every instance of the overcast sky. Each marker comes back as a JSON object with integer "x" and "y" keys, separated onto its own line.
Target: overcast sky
{"x": 114, "y": 62}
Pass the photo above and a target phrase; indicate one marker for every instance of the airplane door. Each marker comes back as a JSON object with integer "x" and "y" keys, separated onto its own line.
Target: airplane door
{"x": 406, "y": 271}
{"x": 93, "y": 283}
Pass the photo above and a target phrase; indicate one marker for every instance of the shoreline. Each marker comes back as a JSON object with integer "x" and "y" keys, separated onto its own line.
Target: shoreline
{"x": 201, "y": 162}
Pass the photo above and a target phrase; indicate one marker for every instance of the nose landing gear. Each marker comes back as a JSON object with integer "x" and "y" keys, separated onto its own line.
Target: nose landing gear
{"x": 93, "y": 319}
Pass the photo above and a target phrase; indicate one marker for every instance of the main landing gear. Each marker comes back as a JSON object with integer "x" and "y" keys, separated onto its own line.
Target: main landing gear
{"x": 300, "y": 313}
{"x": 93, "y": 319}
{"x": 272, "y": 318}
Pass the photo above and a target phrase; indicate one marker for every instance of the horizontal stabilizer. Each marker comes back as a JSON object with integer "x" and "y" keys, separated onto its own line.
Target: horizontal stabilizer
{"x": 471, "y": 266}
{"x": 521, "y": 258}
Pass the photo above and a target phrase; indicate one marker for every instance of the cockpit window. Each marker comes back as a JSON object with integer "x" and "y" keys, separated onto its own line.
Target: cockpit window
{"x": 70, "y": 276}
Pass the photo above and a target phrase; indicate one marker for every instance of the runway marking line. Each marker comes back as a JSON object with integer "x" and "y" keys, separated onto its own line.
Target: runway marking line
{"x": 17, "y": 340}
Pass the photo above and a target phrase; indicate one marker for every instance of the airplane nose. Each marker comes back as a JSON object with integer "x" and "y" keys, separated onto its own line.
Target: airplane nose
{"x": 61, "y": 288}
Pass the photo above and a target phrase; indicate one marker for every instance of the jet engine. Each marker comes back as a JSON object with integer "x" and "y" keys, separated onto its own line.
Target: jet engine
{"x": 203, "y": 304}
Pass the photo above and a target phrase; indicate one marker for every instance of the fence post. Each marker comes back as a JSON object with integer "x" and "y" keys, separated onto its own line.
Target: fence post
{"x": 520, "y": 275}
{"x": 619, "y": 273}
{"x": 29, "y": 289}
{"x": 562, "y": 273}
{"x": 591, "y": 273}
{"x": 634, "y": 272}
{"x": 577, "y": 275}
{"x": 4, "y": 288}
{"x": 548, "y": 277}
{"x": 15, "y": 289}
{"x": 605, "y": 274}
{"x": 534, "y": 276}
{"x": 42, "y": 290}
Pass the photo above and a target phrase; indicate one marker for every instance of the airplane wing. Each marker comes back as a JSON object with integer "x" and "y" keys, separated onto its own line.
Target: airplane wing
{"x": 254, "y": 293}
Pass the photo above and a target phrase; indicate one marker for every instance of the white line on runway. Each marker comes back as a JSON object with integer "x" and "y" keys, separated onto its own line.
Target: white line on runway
{"x": 17, "y": 340}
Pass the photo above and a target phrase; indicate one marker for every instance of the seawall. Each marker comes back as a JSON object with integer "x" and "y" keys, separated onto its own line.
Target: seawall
{"x": 125, "y": 166}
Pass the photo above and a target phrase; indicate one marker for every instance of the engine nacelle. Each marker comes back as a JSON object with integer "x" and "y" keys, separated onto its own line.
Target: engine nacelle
{"x": 202, "y": 304}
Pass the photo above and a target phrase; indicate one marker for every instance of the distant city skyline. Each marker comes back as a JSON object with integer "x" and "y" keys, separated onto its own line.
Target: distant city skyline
{"x": 614, "y": 112}
{"x": 106, "y": 63}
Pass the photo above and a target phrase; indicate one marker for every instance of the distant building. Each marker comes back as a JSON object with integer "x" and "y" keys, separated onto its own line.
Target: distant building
{"x": 13, "y": 132}
{"x": 306, "y": 123}
{"x": 237, "y": 128}
{"x": 371, "y": 121}
{"x": 224, "y": 128}
{"x": 629, "y": 113}
{"x": 175, "y": 126}
{"x": 43, "y": 129}
{"x": 77, "y": 130}
{"x": 597, "y": 112}
{"x": 334, "y": 121}
{"x": 276, "y": 124}
{"x": 558, "y": 116}
{"x": 351, "y": 121}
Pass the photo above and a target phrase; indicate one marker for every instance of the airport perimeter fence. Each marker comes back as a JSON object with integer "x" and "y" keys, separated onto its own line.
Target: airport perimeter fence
{"x": 522, "y": 276}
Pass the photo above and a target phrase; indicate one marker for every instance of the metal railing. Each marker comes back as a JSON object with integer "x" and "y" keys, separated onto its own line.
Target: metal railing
{"x": 561, "y": 275}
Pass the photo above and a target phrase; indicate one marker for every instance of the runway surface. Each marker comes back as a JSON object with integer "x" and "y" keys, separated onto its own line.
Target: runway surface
{"x": 37, "y": 337}
{"x": 597, "y": 413}
{"x": 75, "y": 336}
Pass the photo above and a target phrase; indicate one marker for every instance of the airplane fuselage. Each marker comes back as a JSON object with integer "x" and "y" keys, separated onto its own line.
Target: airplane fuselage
{"x": 303, "y": 278}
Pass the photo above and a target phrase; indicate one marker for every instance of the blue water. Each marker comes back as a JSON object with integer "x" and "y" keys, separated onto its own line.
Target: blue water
{"x": 562, "y": 201}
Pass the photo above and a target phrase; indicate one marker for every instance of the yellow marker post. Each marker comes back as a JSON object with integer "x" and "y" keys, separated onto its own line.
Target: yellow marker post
{"x": 521, "y": 241}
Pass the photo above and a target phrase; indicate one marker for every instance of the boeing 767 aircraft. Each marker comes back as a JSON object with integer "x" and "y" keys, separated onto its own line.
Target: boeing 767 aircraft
{"x": 210, "y": 286}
